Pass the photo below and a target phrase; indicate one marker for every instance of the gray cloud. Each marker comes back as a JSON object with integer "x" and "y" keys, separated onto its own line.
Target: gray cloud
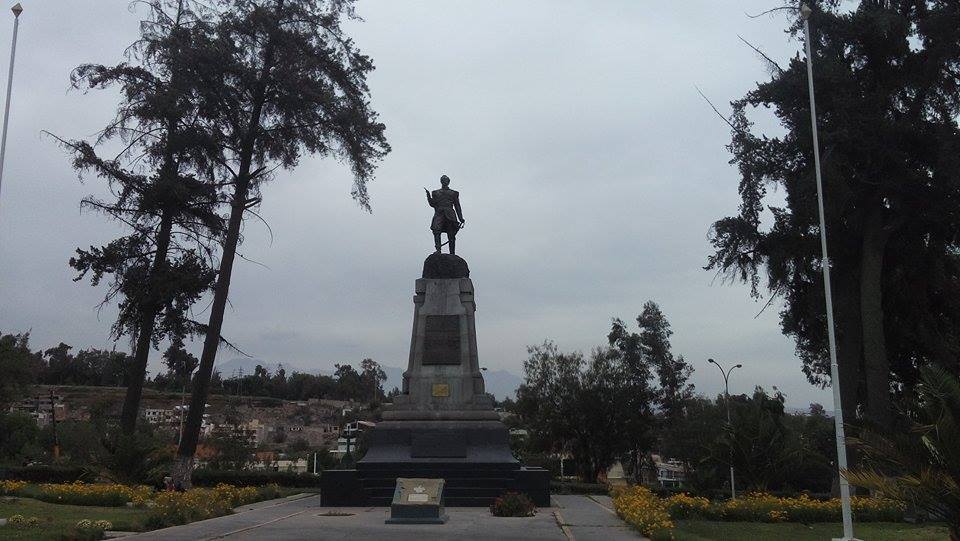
{"x": 589, "y": 167}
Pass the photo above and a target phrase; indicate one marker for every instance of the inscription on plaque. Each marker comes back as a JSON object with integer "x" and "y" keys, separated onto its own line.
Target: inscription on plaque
{"x": 440, "y": 390}
{"x": 441, "y": 340}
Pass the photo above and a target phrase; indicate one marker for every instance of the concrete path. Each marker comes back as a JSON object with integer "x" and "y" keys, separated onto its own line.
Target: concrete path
{"x": 572, "y": 518}
{"x": 590, "y": 518}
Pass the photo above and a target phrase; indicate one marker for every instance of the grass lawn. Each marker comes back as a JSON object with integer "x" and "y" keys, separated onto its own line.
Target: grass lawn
{"x": 702, "y": 530}
{"x": 56, "y": 519}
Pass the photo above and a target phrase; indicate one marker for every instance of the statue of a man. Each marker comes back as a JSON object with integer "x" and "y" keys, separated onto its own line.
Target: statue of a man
{"x": 447, "y": 216}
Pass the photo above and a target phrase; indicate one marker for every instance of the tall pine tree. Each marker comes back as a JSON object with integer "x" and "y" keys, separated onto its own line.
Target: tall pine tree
{"x": 888, "y": 99}
{"x": 281, "y": 79}
{"x": 159, "y": 269}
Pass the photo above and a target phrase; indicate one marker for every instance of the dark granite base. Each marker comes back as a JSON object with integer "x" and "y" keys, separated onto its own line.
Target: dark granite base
{"x": 467, "y": 485}
{"x": 472, "y": 457}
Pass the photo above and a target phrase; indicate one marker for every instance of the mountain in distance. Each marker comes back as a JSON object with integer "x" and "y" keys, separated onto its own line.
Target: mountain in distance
{"x": 499, "y": 383}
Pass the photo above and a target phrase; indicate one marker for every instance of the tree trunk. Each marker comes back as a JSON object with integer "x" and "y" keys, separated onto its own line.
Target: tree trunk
{"x": 138, "y": 369}
{"x": 849, "y": 342}
{"x": 201, "y": 382}
{"x": 183, "y": 467}
{"x": 876, "y": 364}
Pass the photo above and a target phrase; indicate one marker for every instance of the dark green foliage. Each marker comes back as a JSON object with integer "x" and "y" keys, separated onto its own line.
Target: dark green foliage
{"x": 141, "y": 457}
{"x": 888, "y": 102}
{"x": 82, "y": 534}
{"x": 48, "y": 474}
{"x": 161, "y": 186}
{"x": 585, "y": 407}
{"x": 919, "y": 464}
{"x": 577, "y": 487}
{"x": 277, "y": 79}
{"x": 605, "y": 409}
{"x": 233, "y": 451}
{"x": 693, "y": 439}
{"x": 772, "y": 450}
{"x": 87, "y": 367}
{"x": 18, "y": 437}
{"x": 207, "y": 477}
{"x": 513, "y": 504}
{"x": 346, "y": 384}
{"x": 18, "y": 366}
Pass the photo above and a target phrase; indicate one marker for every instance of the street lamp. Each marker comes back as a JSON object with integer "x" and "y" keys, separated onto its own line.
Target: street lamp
{"x": 805, "y": 12}
{"x": 726, "y": 399}
{"x": 17, "y": 10}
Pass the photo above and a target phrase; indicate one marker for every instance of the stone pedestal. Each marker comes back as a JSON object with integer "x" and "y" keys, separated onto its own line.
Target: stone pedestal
{"x": 443, "y": 379}
{"x": 443, "y": 425}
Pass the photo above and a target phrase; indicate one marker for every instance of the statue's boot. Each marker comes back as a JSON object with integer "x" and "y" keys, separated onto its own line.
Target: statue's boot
{"x": 436, "y": 242}
{"x": 453, "y": 245}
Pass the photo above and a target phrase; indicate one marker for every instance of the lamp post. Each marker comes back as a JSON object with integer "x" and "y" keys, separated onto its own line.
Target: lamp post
{"x": 805, "y": 12}
{"x": 17, "y": 10}
{"x": 726, "y": 399}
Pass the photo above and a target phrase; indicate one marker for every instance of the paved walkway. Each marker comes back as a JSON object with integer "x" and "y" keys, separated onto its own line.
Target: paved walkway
{"x": 588, "y": 518}
{"x": 578, "y": 518}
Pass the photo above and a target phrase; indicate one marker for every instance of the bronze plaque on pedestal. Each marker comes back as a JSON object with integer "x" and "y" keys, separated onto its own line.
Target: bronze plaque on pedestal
{"x": 441, "y": 340}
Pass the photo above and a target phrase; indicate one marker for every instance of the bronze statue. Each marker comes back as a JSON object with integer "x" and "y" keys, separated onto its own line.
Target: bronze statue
{"x": 447, "y": 216}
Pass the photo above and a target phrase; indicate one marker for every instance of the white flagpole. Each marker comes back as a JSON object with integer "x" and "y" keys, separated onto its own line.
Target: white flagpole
{"x": 805, "y": 12}
{"x": 17, "y": 10}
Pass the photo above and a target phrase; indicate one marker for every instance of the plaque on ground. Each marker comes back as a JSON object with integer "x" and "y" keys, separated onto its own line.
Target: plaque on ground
{"x": 417, "y": 501}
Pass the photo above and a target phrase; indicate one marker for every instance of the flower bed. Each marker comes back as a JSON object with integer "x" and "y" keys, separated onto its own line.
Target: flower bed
{"x": 653, "y": 516}
{"x": 93, "y": 494}
{"x": 643, "y": 510}
{"x": 174, "y": 508}
{"x": 10, "y": 488}
{"x": 761, "y": 507}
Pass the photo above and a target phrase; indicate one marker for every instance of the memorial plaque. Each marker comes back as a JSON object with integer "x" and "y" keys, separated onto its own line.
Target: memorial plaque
{"x": 440, "y": 390}
{"x": 417, "y": 501}
{"x": 441, "y": 340}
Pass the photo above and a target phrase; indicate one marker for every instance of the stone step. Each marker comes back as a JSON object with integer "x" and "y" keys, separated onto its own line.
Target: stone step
{"x": 491, "y": 492}
{"x": 449, "y": 502}
{"x": 488, "y": 482}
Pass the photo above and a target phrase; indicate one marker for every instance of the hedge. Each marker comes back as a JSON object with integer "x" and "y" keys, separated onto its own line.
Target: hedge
{"x": 577, "y": 487}
{"x": 207, "y": 478}
{"x": 46, "y": 474}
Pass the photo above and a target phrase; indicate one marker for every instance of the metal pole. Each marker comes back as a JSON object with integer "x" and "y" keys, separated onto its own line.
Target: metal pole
{"x": 805, "y": 13}
{"x": 726, "y": 399}
{"x": 17, "y": 10}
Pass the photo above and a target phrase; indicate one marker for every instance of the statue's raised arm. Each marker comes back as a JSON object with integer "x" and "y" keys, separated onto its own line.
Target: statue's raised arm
{"x": 447, "y": 214}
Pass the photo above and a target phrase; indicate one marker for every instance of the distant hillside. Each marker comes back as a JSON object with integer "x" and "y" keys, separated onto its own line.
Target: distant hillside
{"x": 499, "y": 383}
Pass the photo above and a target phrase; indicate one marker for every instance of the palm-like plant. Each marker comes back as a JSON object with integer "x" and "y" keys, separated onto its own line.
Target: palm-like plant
{"x": 919, "y": 466}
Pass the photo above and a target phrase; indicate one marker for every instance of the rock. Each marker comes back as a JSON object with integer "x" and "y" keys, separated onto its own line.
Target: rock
{"x": 445, "y": 266}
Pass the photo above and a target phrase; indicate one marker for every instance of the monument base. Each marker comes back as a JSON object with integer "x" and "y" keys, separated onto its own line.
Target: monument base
{"x": 472, "y": 457}
{"x": 443, "y": 425}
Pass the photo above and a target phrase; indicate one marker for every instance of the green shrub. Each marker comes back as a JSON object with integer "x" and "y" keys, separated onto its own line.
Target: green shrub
{"x": 46, "y": 474}
{"x": 577, "y": 487}
{"x": 208, "y": 478}
{"x": 87, "y": 530}
{"x": 513, "y": 504}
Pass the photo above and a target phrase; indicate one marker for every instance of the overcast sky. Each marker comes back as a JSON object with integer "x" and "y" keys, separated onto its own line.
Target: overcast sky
{"x": 589, "y": 170}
